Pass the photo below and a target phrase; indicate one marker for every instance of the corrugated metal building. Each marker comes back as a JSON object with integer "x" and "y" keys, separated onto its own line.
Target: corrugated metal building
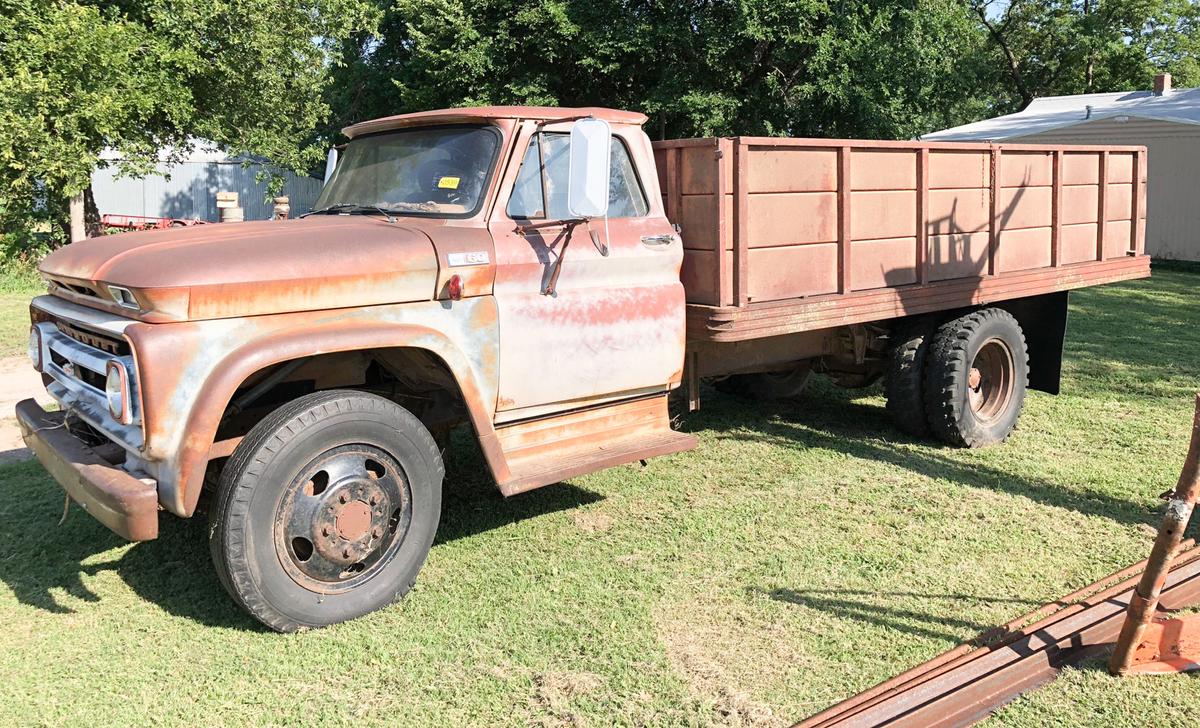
{"x": 189, "y": 189}
{"x": 1165, "y": 120}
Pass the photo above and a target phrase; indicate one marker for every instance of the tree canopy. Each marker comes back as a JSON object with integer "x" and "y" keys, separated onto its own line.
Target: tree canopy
{"x": 1056, "y": 47}
{"x": 883, "y": 68}
{"x": 279, "y": 79}
{"x": 146, "y": 76}
{"x": 865, "y": 68}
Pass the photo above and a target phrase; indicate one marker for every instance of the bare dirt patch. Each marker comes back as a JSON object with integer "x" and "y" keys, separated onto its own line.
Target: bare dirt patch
{"x": 555, "y": 691}
{"x": 18, "y": 381}
{"x": 591, "y": 522}
{"x": 721, "y": 654}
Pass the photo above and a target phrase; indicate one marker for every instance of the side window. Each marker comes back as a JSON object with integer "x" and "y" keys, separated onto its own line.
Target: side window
{"x": 541, "y": 183}
{"x": 526, "y": 200}
{"x": 625, "y": 196}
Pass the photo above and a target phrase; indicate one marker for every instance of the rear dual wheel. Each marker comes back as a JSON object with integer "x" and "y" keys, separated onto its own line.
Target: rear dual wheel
{"x": 904, "y": 380}
{"x": 327, "y": 510}
{"x": 964, "y": 382}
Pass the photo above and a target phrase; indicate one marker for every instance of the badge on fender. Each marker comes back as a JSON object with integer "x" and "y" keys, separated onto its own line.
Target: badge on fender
{"x": 478, "y": 257}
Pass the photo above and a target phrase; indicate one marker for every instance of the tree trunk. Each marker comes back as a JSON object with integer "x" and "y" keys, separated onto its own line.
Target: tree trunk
{"x": 1089, "y": 73}
{"x": 91, "y": 214}
{"x": 78, "y": 228}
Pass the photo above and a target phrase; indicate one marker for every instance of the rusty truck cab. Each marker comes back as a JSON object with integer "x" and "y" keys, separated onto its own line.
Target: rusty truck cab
{"x": 216, "y": 324}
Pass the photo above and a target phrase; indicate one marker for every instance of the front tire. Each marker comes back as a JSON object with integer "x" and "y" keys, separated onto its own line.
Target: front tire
{"x": 326, "y": 510}
{"x": 975, "y": 379}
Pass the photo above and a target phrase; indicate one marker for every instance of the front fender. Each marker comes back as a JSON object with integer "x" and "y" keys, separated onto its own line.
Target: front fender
{"x": 188, "y": 372}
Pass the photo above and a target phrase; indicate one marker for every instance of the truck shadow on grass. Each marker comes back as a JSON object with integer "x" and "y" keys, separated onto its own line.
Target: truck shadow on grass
{"x": 50, "y": 568}
{"x": 828, "y": 419}
{"x": 879, "y": 608}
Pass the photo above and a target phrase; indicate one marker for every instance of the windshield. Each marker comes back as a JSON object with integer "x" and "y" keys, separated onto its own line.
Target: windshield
{"x": 438, "y": 171}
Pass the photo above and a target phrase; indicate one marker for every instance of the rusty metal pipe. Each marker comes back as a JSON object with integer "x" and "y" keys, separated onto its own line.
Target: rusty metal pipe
{"x": 967, "y": 688}
{"x": 1040, "y": 620}
{"x": 995, "y": 638}
{"x": 1144, "y": 602}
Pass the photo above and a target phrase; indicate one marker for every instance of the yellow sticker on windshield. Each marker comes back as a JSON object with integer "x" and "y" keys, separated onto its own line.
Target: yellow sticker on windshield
{"x": 448, "y": 183}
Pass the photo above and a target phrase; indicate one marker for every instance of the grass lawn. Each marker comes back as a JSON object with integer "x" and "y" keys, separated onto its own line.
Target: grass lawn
{"x": 802, "y": 553}
{"x": 14, "y": 319}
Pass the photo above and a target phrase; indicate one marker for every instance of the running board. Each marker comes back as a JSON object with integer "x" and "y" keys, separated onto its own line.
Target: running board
{"x": 552, "y": 449}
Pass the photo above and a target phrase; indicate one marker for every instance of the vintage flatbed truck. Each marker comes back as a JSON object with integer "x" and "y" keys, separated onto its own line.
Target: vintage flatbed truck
{"x": 299, "y": 378}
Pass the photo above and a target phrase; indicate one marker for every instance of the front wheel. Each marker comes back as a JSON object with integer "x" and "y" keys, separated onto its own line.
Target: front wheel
{"x": 327, "y": 510}
{"x": 976, "y": 374}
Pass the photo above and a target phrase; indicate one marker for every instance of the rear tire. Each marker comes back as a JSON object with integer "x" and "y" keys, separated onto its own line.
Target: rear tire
{"x": 326, "y": 510}
{"x": 904, "y": 383}
{"x": 768, "y": 386}
{"x": 976, "y": 374}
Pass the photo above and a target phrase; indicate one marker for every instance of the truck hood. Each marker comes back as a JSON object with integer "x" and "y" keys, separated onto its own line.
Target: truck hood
{"x": 252, "y": 268}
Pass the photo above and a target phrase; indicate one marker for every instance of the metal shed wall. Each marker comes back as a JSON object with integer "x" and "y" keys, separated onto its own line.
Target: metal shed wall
{"x": 189, "y": 190}
{"x": 1173, "y": 187}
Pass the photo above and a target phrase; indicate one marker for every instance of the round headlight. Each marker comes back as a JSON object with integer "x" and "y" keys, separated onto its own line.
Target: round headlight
{"x": 116, "y": 385}
{"x": 35, "y": 347}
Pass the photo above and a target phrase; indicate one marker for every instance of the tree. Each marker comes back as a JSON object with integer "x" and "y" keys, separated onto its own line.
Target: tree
{"x": 1056, "y": 47}
{"x": 889, "y": 68}
{"x": 145, "y": 77}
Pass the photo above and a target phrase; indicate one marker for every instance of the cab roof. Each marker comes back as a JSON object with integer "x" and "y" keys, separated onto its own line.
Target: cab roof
{"x": 487, "y": 113}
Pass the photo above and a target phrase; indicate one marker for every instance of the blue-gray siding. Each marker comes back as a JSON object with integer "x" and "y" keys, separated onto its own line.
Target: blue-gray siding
{"x": 189, "y": 190}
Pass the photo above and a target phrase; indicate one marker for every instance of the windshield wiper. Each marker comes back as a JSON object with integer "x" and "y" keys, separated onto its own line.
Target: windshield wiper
{"x": 352, "y": 207}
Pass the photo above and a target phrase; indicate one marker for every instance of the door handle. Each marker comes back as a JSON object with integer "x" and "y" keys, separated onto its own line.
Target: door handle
{"x": 657, "y": 240}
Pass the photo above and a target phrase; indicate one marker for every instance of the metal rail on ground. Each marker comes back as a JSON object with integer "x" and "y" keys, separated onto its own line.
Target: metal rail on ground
{"x": 968, "y": 683}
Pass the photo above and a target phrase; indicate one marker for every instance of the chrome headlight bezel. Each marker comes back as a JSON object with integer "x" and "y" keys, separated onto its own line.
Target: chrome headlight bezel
{"x": 35, "y": 347}
{"x": 116, "y": 392}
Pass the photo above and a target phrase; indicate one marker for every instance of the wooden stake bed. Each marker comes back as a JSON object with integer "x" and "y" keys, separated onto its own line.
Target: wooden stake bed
{"x": 789, "y": 235}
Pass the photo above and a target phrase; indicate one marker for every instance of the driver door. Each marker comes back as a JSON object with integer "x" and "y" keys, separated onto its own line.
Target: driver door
{"x": 613, "y": 327}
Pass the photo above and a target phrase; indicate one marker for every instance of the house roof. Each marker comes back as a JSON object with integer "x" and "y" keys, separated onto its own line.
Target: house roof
{"x": 482, "y": 113}
{"x": 1181, "y": 106}
{"x": 202, "y": 150}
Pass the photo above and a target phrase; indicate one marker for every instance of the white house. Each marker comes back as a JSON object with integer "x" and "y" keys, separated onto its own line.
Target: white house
{"x": 1165, "y": 120}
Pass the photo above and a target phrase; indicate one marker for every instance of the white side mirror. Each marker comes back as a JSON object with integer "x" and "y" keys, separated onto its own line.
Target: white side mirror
{"x": 330, "y": 163}
{"x": 587, "y": 179}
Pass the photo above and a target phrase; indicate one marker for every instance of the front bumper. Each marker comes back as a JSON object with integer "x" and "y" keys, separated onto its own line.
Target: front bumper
{"x": 112, "y": 496}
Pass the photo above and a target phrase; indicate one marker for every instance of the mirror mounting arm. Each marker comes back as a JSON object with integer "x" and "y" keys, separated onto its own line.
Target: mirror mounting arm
{"x": 569, "y": 229}
{"x": 569, "y": 222}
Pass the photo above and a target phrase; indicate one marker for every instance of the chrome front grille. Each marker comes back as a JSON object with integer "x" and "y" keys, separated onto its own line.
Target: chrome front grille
{"x": 107, "y": 344}
{"x": 76, "y": 359}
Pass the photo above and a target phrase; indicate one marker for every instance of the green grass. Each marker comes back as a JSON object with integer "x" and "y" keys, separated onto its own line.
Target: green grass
{"x": 802, "y": 553}
{"x": 19, "y": 282}
{"x": 14, "y": 320}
